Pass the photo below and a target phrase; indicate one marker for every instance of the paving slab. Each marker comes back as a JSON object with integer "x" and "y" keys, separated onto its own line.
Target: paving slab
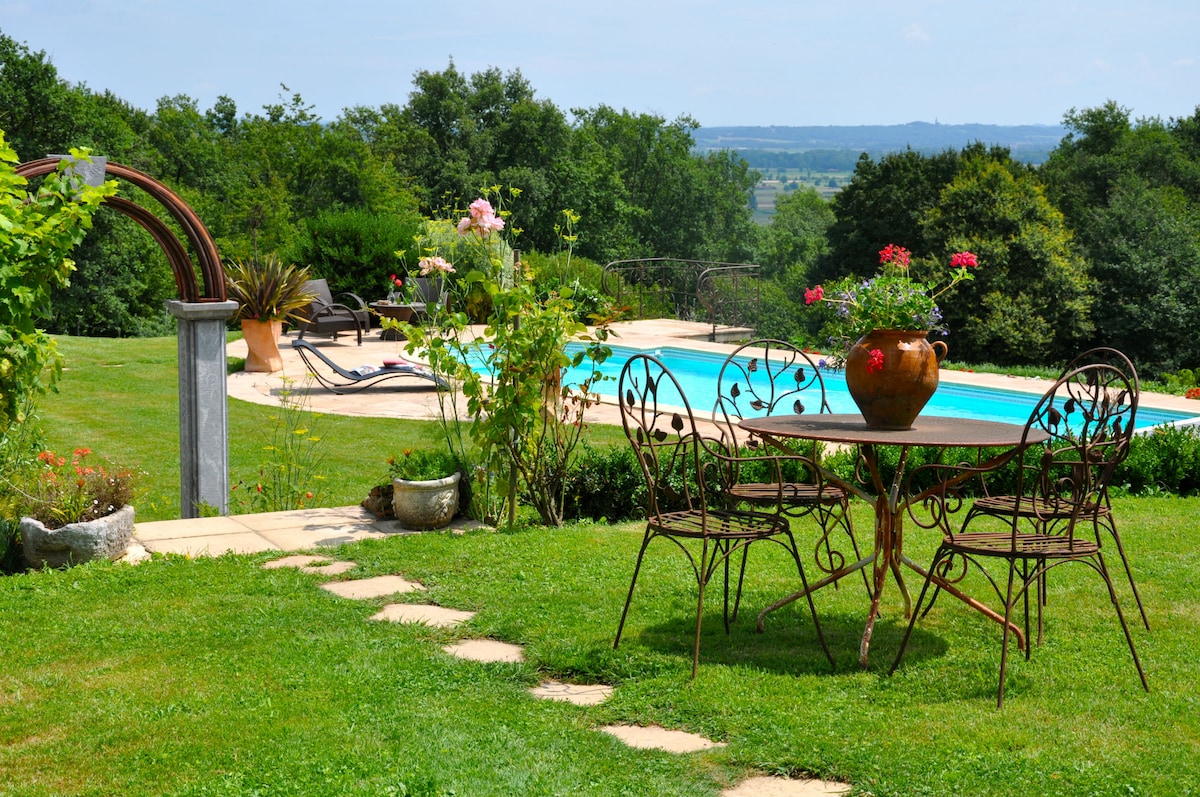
{"x": 579, "y": 694}
{"x": 244, "y": 542}
{"x": 297, "y": 560}
{"x": 654, "y": 737}
{"x": 486, "y": 650}
{"x": 426, "y": 614}
{"x": 296, "y": 539}
{"x": 769, "y": 786}
{"x": 188, "y": 527}
{"x": 377, "y": 587}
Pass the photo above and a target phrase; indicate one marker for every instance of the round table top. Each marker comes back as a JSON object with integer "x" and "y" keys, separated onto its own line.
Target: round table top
{"x": 928, "y": 430}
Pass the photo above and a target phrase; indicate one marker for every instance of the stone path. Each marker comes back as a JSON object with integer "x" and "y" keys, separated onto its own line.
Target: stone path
{"x": 652, "y": 737}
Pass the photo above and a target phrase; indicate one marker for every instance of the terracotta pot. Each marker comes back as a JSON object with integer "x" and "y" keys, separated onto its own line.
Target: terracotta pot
{"x": 892, "y": 394}
{"x": 262, "y": 345}
{"x": 425, "y": 504}
{"x": 75, "y": 543}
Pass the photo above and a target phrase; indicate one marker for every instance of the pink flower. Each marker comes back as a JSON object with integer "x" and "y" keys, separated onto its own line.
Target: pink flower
{"x": 483, "y": 219}
{"x": 812, "y": 295}
{"x": 964, "y": 260}
{"x": 428, "y": 265}
{"x": 874, "y": 360}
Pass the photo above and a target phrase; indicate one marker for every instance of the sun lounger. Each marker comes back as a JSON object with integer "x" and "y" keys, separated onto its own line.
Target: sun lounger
{"x": 363, "y": 376}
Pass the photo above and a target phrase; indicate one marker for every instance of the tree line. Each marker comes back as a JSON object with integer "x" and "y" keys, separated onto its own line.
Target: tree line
{"x": 1099, "y": 244}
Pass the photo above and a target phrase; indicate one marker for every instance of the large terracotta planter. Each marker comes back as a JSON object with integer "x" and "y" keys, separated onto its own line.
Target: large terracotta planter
{"x": 425, "y": 504}
{"x": 75, "y": 543}
{"x": 262, "y": 345}
{"x": 891, "y": 393}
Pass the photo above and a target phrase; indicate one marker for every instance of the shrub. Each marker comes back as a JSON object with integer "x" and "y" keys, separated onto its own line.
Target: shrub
{"x": 604, "y": 483}
{"x": 355, "y": 250}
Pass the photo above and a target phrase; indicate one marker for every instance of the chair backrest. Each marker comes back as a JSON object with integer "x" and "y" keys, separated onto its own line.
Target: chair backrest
{"x": 1089, "y": 416}
{"x": 660, "y": 426}
{"x": 767, "y": 377}
{"x": 429, "y": 291}
{"x": 319, "y": 289}
{"x": 1110, "y": 356}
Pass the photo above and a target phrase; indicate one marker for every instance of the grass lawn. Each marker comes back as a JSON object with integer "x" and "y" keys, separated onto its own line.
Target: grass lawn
{"x": 215, "y": 677}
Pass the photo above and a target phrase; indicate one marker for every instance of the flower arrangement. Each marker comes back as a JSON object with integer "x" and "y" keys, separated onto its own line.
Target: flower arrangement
{"x": 397, "y": 290}
{"x": 891, "y": 299}
{"x": 60, "y": 491}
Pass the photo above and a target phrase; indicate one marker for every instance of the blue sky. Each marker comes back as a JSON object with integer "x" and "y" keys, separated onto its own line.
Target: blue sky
{"x": 751, "y": 62}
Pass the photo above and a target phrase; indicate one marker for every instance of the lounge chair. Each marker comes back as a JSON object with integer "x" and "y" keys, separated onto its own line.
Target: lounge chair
{"x": 324, "y": 316}
{"x": 354, "y": 379}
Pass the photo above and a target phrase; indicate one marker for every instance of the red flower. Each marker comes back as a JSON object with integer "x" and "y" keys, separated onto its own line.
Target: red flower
{"x": 896, "y": 255}
{"x": 874, "y": 360}
{"x": 964, "y": 260}
{"x": 812, "y": 295}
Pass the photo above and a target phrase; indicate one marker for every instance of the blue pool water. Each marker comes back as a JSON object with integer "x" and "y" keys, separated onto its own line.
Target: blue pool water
{"x": 697, "y": 375}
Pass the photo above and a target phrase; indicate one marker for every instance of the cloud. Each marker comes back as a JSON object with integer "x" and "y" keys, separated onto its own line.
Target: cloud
{"x": 916, "y": 32}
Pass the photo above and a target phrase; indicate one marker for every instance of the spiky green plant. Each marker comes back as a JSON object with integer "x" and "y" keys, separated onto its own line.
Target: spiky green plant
{"x": 267, "y": 289}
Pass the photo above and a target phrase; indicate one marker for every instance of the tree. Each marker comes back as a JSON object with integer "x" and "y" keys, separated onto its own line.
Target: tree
{"x": 1030, "y": 299}
{"x": 797, "y": 234}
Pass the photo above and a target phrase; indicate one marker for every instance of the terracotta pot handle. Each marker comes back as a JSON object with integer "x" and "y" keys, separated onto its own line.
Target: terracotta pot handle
{"x": 939, "y": 353}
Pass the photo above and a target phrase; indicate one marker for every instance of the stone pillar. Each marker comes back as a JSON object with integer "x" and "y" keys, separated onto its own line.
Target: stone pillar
{"x": 203, "y": 405}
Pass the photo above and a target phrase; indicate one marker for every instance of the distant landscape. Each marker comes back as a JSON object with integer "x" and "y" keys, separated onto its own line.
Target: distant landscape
{"x": 823, "y": 158}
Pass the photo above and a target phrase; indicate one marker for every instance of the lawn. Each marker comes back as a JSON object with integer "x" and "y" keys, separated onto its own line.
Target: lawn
{"x": 212, "y": 676}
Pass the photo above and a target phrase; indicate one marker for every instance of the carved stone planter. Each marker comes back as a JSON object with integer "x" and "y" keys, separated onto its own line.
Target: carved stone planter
{"x": 75, "y": 543}
{"x": 425, "y": 504}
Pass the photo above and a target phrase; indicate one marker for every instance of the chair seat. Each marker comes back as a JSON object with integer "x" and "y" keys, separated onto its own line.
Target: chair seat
{"x": 793, "y": 493}
{"x": 721, "y": 524}
{"x": 1026, "y": 546}
{"x": 1031, "y": 507}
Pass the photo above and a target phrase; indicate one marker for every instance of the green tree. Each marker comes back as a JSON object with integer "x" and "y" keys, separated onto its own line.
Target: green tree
{"x": 1030, "y": 300}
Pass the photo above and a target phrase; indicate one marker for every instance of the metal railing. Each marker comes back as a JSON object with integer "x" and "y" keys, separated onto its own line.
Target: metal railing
{"x": 723, "y": 294}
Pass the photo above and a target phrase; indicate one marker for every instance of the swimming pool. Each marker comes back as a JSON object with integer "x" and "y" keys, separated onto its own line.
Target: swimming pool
{"x": 697, "y": 374}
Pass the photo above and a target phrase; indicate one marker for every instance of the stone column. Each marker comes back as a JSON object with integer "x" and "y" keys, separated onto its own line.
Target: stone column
{"x": 203, "y": 405}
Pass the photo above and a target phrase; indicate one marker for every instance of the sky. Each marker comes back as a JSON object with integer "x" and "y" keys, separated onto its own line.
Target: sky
{"x": 735, "y": 62}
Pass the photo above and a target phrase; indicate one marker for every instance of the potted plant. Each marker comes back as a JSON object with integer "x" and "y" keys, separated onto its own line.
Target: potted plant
{"x": 73, "y": 510}
{"x": 424, "y": 488}
{"x": 268, "y": 292}
{"x": 883, "y": 325}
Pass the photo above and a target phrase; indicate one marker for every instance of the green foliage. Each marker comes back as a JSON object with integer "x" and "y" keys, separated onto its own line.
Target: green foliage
{"x": 604, "y": 484}
{"x": 421, "y": 464}
{"x": 291, "y": 474}
{"x": 267, "y": 288}
{"x": 58, "y": 490}
{"x": 356, "y": 250}
{"x": 37, "y": 233}
{"x": 1165, "y": 460}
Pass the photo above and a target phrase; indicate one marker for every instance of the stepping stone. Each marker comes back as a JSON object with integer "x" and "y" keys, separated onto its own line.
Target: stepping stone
{"x": 331, "y": 569}
{"x": 376, "y": 587}
{"x": 766, "y": 786}
{"x": 486, "y": 650}
{"x": 294, "y": 561}
{"x": 658, "y": 738}
{"x": 579, "y": 694}
{"x": 438, "y": 616}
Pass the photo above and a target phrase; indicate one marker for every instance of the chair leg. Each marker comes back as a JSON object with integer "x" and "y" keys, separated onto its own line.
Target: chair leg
{"x": 1112, "y": 594}
{"x": 701, "y": 580}
{"x": 1008, "y": 602}
{"x": 737, "y": 600}
{"x": 629, "y": 598}
{"x": 1112, "y": 530}
{"x": 916, "y": 612}
{"x": 812, "y": 607}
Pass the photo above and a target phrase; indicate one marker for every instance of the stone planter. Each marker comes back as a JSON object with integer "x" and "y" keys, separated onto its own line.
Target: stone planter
{"x": 75, "y": 543}
{"x": 425, "y": 504}
{"x": 262, "y": 345}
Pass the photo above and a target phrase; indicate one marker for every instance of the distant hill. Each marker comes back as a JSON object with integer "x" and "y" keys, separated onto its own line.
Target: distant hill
{"x": 1026, "y": 142}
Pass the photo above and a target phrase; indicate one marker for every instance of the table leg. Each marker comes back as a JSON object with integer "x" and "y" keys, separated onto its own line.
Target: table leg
{"x": 813, "y": 587}
{"x": 983, "y": 609}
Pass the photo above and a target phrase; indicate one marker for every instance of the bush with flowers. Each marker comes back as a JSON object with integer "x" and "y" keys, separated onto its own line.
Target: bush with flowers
{"x": 58, "y": 490}
{"x": 524, "y": 420}
{"x": 892, "y": 299}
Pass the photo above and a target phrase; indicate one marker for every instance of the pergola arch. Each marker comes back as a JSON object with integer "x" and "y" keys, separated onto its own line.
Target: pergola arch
{"x": 201, "y": 311}
{"x": 209, "y": 261}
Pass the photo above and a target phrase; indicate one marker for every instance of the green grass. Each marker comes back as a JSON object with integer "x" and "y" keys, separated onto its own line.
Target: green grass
{"x": 213, "y": 676}
{"x": 216, "y": 677}
{"x": 121, "y": 399}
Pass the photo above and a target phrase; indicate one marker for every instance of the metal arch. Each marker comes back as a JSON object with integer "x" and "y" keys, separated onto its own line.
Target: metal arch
{"x": 197, "y": 234}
